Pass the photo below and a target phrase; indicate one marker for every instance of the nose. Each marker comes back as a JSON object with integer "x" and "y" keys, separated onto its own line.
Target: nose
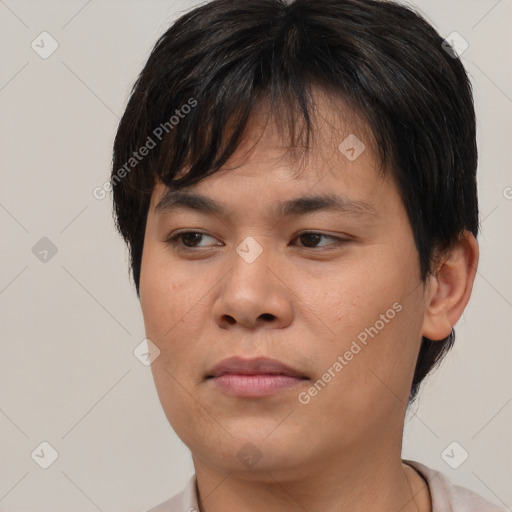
{"x": 254, "y": 294}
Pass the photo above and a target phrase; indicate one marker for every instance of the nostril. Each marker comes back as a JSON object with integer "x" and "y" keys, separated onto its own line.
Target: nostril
{"x": 229, "y": 319}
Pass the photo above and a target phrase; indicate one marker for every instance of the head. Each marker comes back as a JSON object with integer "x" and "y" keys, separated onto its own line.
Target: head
{"x": 334, "y": 142}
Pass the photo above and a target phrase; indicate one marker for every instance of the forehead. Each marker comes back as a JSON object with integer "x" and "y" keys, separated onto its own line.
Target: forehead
{"x": 340, "y": 158}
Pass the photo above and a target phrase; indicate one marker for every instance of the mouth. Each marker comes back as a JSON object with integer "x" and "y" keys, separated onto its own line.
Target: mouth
{"x": 254, "y": 377}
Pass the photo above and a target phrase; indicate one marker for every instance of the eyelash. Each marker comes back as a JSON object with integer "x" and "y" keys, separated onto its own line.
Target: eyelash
{"x": 174, "y": 240}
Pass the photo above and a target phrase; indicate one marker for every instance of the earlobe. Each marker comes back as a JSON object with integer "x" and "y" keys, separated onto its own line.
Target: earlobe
{"x": 450, "y": 288}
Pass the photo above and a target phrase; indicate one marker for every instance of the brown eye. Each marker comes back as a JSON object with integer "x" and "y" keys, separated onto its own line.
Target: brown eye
{"x": 312, "y": 239}
{"x": 189, "y": 239}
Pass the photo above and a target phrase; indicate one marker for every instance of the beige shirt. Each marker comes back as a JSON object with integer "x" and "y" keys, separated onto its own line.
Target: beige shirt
{"x": 445, "y": 496}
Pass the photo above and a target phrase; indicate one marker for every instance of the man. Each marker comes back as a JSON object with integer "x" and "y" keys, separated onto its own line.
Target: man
{"x": 297, "y": 186}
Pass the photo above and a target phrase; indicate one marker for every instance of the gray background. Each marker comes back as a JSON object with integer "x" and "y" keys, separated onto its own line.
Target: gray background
{"x": 70, "y": 324}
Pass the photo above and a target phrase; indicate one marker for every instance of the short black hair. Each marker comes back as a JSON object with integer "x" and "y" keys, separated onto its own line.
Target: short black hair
{"x": 191, "y": 104}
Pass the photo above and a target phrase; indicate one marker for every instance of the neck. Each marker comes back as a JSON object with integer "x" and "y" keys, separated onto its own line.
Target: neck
{"x": 340, "y": 482}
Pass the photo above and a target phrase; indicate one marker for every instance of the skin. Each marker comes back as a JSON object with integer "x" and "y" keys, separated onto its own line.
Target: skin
{"x": 302, "y": 301}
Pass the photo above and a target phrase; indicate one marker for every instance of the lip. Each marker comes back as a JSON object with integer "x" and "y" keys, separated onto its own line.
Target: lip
{"x": 256, "y": 377}
{"x": 256, "y": 366}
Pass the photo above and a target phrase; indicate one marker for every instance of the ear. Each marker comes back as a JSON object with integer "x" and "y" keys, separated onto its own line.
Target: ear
{"x": 449, "y": 289}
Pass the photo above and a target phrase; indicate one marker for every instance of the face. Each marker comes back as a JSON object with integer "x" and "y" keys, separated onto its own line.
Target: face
{"x": 332, "y": 290}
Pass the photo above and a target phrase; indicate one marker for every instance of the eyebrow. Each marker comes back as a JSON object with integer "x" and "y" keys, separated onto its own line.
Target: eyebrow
{"x": 174, "y": 199}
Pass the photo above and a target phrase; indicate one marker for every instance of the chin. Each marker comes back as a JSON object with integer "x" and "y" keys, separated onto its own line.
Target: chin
{"x": 253, "y": 459}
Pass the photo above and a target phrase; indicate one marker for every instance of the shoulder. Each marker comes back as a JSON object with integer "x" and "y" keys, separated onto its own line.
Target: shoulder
{"x": 185, "y": 501}
{"x": 448, "y": 497}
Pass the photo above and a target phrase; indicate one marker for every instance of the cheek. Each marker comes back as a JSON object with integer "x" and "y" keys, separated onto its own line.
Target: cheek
{"x": 379, "y": 346}
{"x": 373, "y": 313}
{"x": 166, "y": 293}
{"x": 173, "y": 302}
{"x": 169, "y": 303}
{"x": 347, "y": 299}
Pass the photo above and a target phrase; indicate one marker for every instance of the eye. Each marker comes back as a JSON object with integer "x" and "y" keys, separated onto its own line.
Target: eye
{"x": 189, "y": 239}
{"x": 311, "y": 239}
